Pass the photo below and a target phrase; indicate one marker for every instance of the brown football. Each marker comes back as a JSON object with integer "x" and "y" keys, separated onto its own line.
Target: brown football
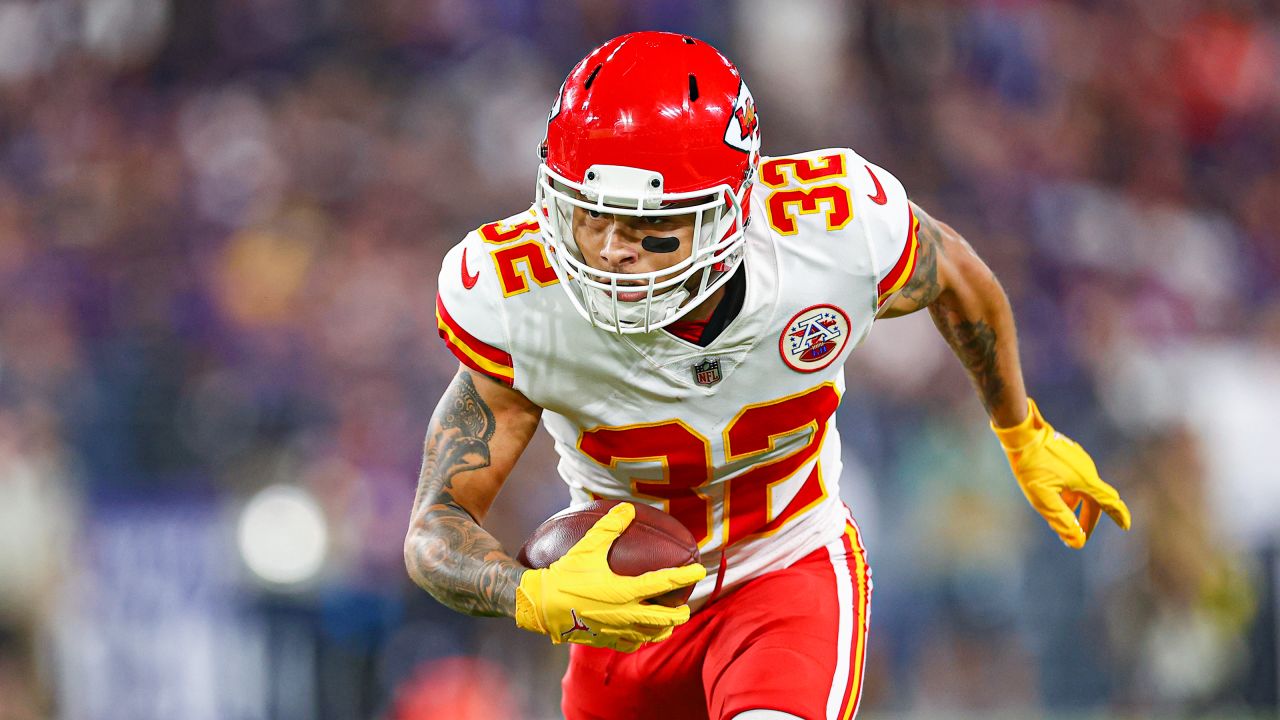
{"x": 654, "y": 540}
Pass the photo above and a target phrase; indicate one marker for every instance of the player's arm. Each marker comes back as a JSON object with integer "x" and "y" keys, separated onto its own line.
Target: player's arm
{"x": 973, "y": 314}
{"x": 478, "y": 431}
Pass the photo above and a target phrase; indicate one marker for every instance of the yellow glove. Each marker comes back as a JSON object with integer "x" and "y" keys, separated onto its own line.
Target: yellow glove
{"x": 1058, "y": 477}
{"x": 579, "y": 599}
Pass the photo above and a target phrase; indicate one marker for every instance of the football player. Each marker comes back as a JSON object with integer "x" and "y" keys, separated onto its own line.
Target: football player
{"x": 677, "y": 310}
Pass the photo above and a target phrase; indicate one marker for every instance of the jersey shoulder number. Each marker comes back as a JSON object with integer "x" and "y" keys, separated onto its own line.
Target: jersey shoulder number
{"x": 835, "y": 190}
{"x": 515, "y": 251}
{"x": 812, "y": 183}
{"x": 496, "y": 261}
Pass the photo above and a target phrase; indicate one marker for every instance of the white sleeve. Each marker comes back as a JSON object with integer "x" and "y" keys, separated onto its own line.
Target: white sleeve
{"x": 889, "y": 224}
{"x": 469, "y": 314}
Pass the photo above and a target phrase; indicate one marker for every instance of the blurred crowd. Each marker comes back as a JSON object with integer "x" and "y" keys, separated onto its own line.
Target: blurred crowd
{"x": 220, "y": 228}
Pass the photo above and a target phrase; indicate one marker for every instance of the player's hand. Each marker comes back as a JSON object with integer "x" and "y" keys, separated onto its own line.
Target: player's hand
{"x": 579, "y": 599}
{"x": 1059, "y": 478}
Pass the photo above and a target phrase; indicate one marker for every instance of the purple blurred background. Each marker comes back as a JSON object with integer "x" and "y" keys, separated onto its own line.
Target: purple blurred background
{"x": 220, "y": 227}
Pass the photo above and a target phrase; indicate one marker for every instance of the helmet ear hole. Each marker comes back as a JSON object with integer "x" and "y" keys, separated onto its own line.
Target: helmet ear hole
{"x": 591, "y": 78}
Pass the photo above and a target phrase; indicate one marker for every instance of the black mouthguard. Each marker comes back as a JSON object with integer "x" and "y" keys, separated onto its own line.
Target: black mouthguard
{"x": 660, "y": 244}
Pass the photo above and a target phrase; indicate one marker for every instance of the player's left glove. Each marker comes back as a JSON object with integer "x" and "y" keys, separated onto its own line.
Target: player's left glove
{"x": 1058, "y": 477}
{"x": 580, "y": 599}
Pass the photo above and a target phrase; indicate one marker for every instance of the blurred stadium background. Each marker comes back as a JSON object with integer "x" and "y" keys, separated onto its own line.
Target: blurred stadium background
{"x": 220, "y": 227}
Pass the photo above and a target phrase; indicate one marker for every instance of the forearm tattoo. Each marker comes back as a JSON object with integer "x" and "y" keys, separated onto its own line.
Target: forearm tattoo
{"x": 974, "y": 342}
{"x": 449, "y": 554}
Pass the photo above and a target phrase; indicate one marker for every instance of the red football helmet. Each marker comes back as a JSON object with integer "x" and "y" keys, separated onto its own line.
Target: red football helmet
{"x": 650, "y": 123}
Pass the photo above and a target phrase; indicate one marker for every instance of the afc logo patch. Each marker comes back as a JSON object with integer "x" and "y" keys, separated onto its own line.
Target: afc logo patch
{"x": 814, "y": 338}
{"x": 707, "y": 372}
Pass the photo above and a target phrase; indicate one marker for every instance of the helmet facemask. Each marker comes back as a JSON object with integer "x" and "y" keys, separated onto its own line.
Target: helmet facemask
{"x": 669, "y": 293}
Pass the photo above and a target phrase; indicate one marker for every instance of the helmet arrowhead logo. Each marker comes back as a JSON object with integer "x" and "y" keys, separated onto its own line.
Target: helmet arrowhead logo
{"x": 743, "y": 130}
{"x": 746, "y": 115}
{"x": 555, "y": 107}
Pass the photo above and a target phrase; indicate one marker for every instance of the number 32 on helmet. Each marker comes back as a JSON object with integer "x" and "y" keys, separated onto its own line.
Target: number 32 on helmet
{"x": 649, "y": 124}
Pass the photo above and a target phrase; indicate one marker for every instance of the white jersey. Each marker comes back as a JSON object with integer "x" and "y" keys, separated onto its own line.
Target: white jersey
{"x": 736, "y": 439}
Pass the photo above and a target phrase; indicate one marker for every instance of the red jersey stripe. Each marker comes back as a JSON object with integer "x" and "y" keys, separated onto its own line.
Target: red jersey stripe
{"x": 902, "y": 270}
{"x": 472, "y": 352}
{"x": 861, "y": 576}
{"x": 467, "y": 360}
{"x": 472, "y": 343}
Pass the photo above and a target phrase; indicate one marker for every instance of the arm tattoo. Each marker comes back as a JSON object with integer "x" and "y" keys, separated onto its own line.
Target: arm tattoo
{"x": 449, "y": 554}
{"x": 975, "y": 344}
{"x": 923, "y": 288}
{"x": 973, "y": 340}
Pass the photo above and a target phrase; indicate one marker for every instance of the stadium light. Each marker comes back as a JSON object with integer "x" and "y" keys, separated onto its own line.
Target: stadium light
{"x": 282, "y": 536}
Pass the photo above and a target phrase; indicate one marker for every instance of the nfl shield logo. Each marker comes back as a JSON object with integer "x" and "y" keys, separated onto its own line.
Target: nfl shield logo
{"x": 707, "y": 372}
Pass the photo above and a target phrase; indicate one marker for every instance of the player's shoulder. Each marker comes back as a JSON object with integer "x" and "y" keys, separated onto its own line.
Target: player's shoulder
{"x": 832, "y": 204}
{"x": 497, "y": 261}
{"x": 806, "y": 168}
{"x": 491, "y": 269}
{"x": 830, "y": 190}
{"x": 835, "y": 166}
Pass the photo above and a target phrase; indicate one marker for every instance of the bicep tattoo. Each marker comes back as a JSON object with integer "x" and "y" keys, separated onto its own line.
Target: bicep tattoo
{"x": 457, "y": 441}
{"x": 454, "y": 558}
{"x": 923, "y": 287}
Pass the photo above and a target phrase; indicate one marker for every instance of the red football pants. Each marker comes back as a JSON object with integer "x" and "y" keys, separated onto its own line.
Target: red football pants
{"x": 792, "y": 640}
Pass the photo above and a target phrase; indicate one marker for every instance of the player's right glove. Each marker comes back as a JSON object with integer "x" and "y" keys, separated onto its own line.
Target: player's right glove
{"x": 579, "y": 598}
{"x": 1058, "y": 477}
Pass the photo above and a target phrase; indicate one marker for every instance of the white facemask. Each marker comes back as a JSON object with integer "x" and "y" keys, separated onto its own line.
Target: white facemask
{"x": 670, "y": 292}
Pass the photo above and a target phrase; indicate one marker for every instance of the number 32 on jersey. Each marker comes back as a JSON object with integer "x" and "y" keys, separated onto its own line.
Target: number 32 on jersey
{"x": 516, "y": 259}
{"x": 686, "y": 459}
{"x": 818, "y": 192}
